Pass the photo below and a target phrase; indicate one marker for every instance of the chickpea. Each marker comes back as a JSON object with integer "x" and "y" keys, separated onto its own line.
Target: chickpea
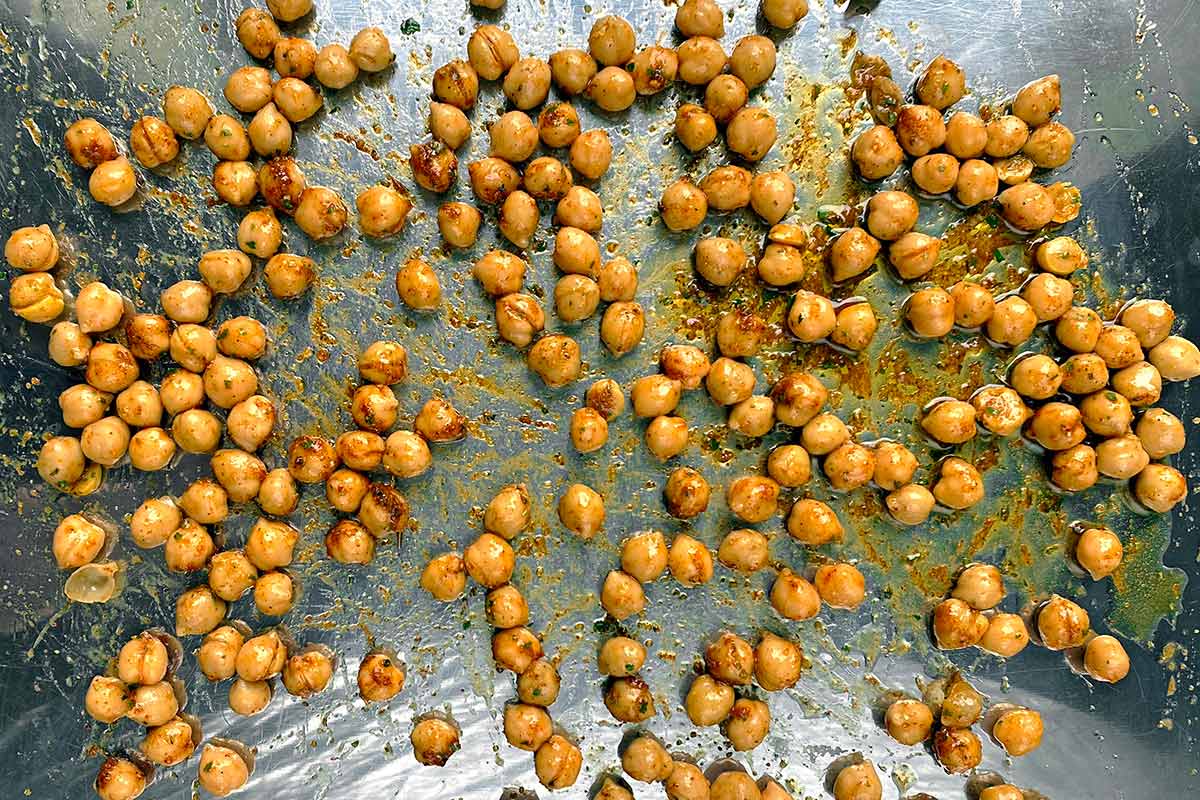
{"x": 231, "y": 574}
{"x": 514, "y": 649}
{"x": 589, "y": 430}
{"x": 153, "y": 521}
{"x": 580, "y": 208}
{"x": 528, "y": 83}
{"x": 492, "y": 51}
{"x": 68, "y": 345}
{"x": 1106, "y": 413}
{"x": 612, "y": 89}
{"x": 1105, "y": 659}
{"x": 105, "y": 441}
{"x": 247, "y": 89}
{"x": 739, "y": 335}
{"x": 1003, "y": 791}
{"x": 793, "y": 597}
{"x": 1084, "y": 373}
{"x": 646, "y": 760}
{"x": 493, "y": 179}
{"x": 349, "y": 542}
{"x": 727, "y": 188}
{"x": 506, "y": 608}
{"x": 1058, "y": 426}
{"x": 1005, "y": 636}
{"x": 513, "y": 136}
{"x": 590, "y": 155}
{"x": 956, "y": 625}
{"x": 151, "y": 449}
{"x": 526, "y": 727}
{"x": 380, "y": 677}
{"x": 321, "y": 213}
{"x": 977, "y": 182}
{"x": 1006, "y": 135}
{"x": 751, "y": 133}
{"x": 724, "y": 96}
{"x": 1150, "y": 320}
{"x": 572, "y": 69}
{"x": 518, "y": 218}
{"x": 434, "y": 167}
{"x": 490, "y": 560}
{"x": 958, "y": 750}
{"x": 620, "y": 656}
{"x": 1176, "y": 358}
{"x": 1049, "y": 145}
{"x": 228, "y": 141}
{"x": 1027, "y": 206}
{"x": 371, "y": 51}
{"x": 1018, "y": 731}
{"x": 686, "y": 493}
{"x": 735, "y": 783}
{"x": 223, "y": 770}
{"x": 557, "y": 763}
{"x": 611, "y": 41}
{"x": 683, "y": 205}
{"x": 248, "y": 698}
{"x": 270, "y": 131}
{"x": 1037, "y": 100}
{"x": 811, "y": 317}
{"x": 198, "y": 611}
{"x": 1161, "y": 433}
{"x": 855, "y": 327}
{"x": 695, "y": 128}
{"x": 784, "y": 14}
{"x": 745, "y": 550}
{"x": 434, "y": 741}
{"x": 406, "y": 454}
{"x": 849, "y": 466}
{"x": 1160, "y": 487}
{"x": 876, "y": 153}
{"x": 153, "y": 142}
{"x": 189, "y": 548}
{"x": 936, "y": 173}
{"x": 107, "y": 700}
{"x": 1061, "y": 623}
{"x": 113, "y": 182}
{"x": 606, "y": 397}
{"x": 1013, "y": 321}
{"x": 920, "y": 129}
{"x": 169, "y": 744}
{"x": 981, "y": 586}
{"x": 959, "y": 484}
{"x": 83, "y": 404}
{"x": 730, "y": 658}
{"x": 894, "y": 465}
{"x": 966, "y": 135}
{"x": 788, "y": 465}
{"x": 153, "y": 705}
{"x": 77, "y": 541}
{"x": 689, "y": 561}
{"x": 798, "y": 397}
{"x": 240, "y": 473}
{"x": 334, "y": 67}
{"x": 781, "y": 265}
{"x": 61, "y": 462}
{"x": 700, "y": 18}
{"x": 278, "y": 496}
{"x": 459, "y": 223}
{"x": 708, "y": 701}
{"x": 89, "y": 143}
{"x": 581, "y": 510}
{"x": 930, "y": 312}
{"x": 1121, "y": 457}
{"x": 417, "y": 285}
{"x": 950, "y": 421}
{"x": 1078, "y": 329}
{"x": 187, "y": 111}
{"x": 701, "y": 59}
{"x": 813, "y": 523}
{"x": 1036, "y": 376}
{"x": 719, "y": 260}
{"x": 1013, "y": 170}
{"x": 382, "y": 211}
{"x": 546, "y": 178}
{"x": 942, "y": 84}
{"x": 748, "y": 723}
{"x": 628, "y": 699}
{"x": 1049, "y": 296}
{"x": 555, "y": 359}
{"x": 654, "y": 68}
{"x": 519, "y": 318}
{"x": 772, "y": 195}
{"x": 728, "y": 382}
{"x": 840, "y": 585}
{"x": 753, "y": 60}
{"x": 753, "y": 417}
{"x": 1099, "y": 551}
{"x": 120, "y": 779}
{"x": 445, "y": 577}
{"x": 908, "y": 721}
{"x": 622, "y": 326}
{"x": 345, "y": 489}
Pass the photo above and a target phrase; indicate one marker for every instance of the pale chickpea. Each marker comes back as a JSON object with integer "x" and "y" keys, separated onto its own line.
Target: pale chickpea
{"x": 406, "y": 454}
{"x": 113, "y": 182}
{"x": 242, "y": 338}
{"x": 231, "y": 575}
{"x": 1084, "y": 373}
{"x": 580, "y": 208}
{"x": 1175, "y": 358}
{"x": 1006, "y": 135}
{"x": 724, "y": 96}
{"x": 1006, "y": 635}
{"x": 1061, "y": 623}
{"x": 417, "y": 285}
{"x": 977, "y": 182}
{"x": 270, "y": 132}
{"x": 247, "y": 698}
{"x": 701, "y": 58}
{"x": 849, "y": 466}
{"x": 259, "y": 233}
{"x": 1013, "y": 321}
{"x": 247, "y": 89}
{"x": 956, "y": 625}
{"x": 1162, "y": 433}
{"x": 876, "y": 153}
{"x": 505, "y": 607}
{"x": 68, "y": 345}
{"x": 380, "y": 677}
{"x": 492, "y": 51}
{"x": 1160, "y": 487}
{"x": 936, "y": 173}
{"x": 490, "y": 560}
{"x": 226, "y": 138}
{"x": 751, "y": 133}
{"x": 772, "y": 195}
{"x": 527, "y": 83}
{"x": 930, "y": 312}
{"x": 1105, "y": 659}
{"x": 89, "y": 143}
{"x": 153, "y": 142}
{"x": 606, "y": 397}
{"x": 628, "y": 699}
{"x": 1121, "y": 457}
{"x": 1036, "y": 101}
{"x": 371, "y": 51}
{"x": 514, "y": 649}
{"x": 572, "y": 69}
{"x": 1048, "y": 295}
{"x": 695, "y": 128}
{"x": 739, "y": 334}
{"x": 1027, "y": 206}
{"x": 745, "y": 550}
{"x": 83, "y": 404}
{"x": 169, "y": 744}
{"x": 250, "y": 422}
{"x": 686, "y": 493}
{"x": 198, "y": 611}
{"x": 151, "y": 449}
{"x": 966, "y": 135}
{"x": 793, "y": 597}
{"x": 646, "y": 760}
{"x": 61, "y": 462}
{"x": 555, "y": 359}
{"x": 187, "y": 301}
{"x": 920, "y": 129}
{"x": 653, "y": 69}
{"x": 813, "y": 523}
{"x": 105, "y": 441}
{"x": 908, "y": 721}
{"x": 153, "y": 705}
{"x": 708, "y": 701}
{"x": 589, "y": 430}
{"x": 894, "y": 465}
{"x": 374, "y": 407}
{"x": 611, "y": 89}
{"x": 434, "y": 166}
{"x": 345, "y": 489}
{"x": 840, "y": 585}
{"x": 959, "y": 485}
{"x": 622, "y": 327}
{"x": 235, "y": 182}
{"x": 334, "y": 67}
{"x": 581, "y": 510}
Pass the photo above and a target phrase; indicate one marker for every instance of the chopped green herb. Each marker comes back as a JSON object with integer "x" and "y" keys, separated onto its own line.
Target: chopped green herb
{"x": 996, "y": 254}
{"x": 410, "y": 26}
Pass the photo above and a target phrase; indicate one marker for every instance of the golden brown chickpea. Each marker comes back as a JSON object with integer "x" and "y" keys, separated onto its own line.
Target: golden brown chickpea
{"x": 151, "y": 449}
{"x": 153, "y": 705}
{"x": 956, "y": 625}
{"x": 701, "y": 58}
{"x": 920, "y": 129}
{"x": 528, "y": 83}
{"x": 857, "y": 782}
{"x": 876, "y": 153}
{"x": 223, "y": 770}
{"x": 930, "y": 312}
{"x": 777, "y": 662}
{"x": 908, "y": 721}
{"x": 558, "y": 125}
{"x": 445, "y": 577}
{"x": 942, "y": 84}
{"x": 959, "y": 484}
{"x": 894, "y": 465}
{"x": 1027, "y": 206}
{"x": 434, "y": 166}
{"x": 981, "y": 586}
{"x": 198, "y": 611}
{"x": 620, "y": 656}
{"x": 745, "y": 550}
{"x": 590, "y": 155}
{"x": 1161, "y": 433}
{"x": 557, "y": 763}
{"x": 936, "y": 173}
{"x": 789, "y": 465}
{"x": 31, "y": 249}
{"x": 248, "y": 698}
{"x": 1105, "y": 659}
{"x": 1084, "y": 373}
{"x": 189, "y": 548}
{"x": 493, "y": 179}
{"x": 1037, "y": 100}
{"x": 622, "y": 326}
{"x": 1176, "y": 358}
{"x": 345, "y": 489}
{"x": 950, "y": 421}
{"x": 628, "y": 699}
{"x": 724, "y": 96}
{"x": 154, "y": 143}
{"x": 349, "y": 542}
{"x": 695, "y": 128}
{"x": 689, "y": 561}
{"x": 383, "y": 510}
{"x": 406, "y": 454}
{"x": 1121, "y": 457}
{"x": 518, "y": 218}
{"x": 457, "y": 84}
{"x": 1150, "y": 320}
{"x": 235, "y": 182}
{"x": 753, "y": 60}
{"x": 1013, "y": 321}
{"x": 793, "y": 597}
{"x": 700, "y": 18}
{"x": 572, "y": 69}
{"x": 1106, "y": 413}
{"x": 417, "y": 285}
{"x": 1018, "y": 731}
{"x": 840, "y": 585}
{"x": 77, "y": 541}
{"x": 855, "y": 327}
{"x": 813, "y": 523}
{"x": 730, "y": 659}
{"x": 811, "y": 317}
{"x": 849, "y": 466}
{"x": 506, "y": 608}
{"x": 580, "y": 208}
{"x": 1078, "y": 330}
{"x": 113, "y": 182}
{"x": 205, "y": 501}
{"x": 748, "y": 724}
{"x": 653, "y": 69}
{"x": 519, "y": 318}
{"x": 169, "y": 744}
{"x": 382, "y": 211}
{"x": 492, "y": 51}
{"x": 187, "y": 301}
{"x": 153, "y": 521}
{"x": 646, "y": 760}
{"x": 798, "y": 397}
{"x": 187, "y": 111}
{"x": 686, "y": 493}
{"x": 380, "y": 677}
{"x": 321, "y": 213}
{"x": 1061, "y": 623}
{"x": 61, "y": 462}
{"x": 581, "y": 510}
{"x": 490, "y": 560}
{"x": 1160, "y": 487}
{"x": 1057, "y": 426}
{"x": 958, "y": 750}
{"x": 729, "y": 382}
{"x": 231, "y": 574}
{"x": 739, "y": 334}
{"x": 576, "y": 252}
{"x": 708, "y": 701}
{"x": 1049, "y": 296}
{"x": 612, "y": 89}
{"x": 1049, "y": 145}
{"x": 526, "y": 727}
{"x": 120, "y": 779}
{"x": 1036, "y": 376}
{"x": 611, "y": 41}
{"x": 1005, "y": 636}
{"x": 555, "y": 359}
{"x": 727, "y": 188}
{"x": 513, "y": 136}
{"x": 1099, "y": 551}
{"x": 89, "y": 143}
{"x": 784, "y": 13}
{"x": 107, "y": 700}
{"x": 719, "y": 260}
{"x": 83, "y": 404}
{"x": 105, "y": 441}
{"x": 606, "y": 397}
{"x": 1013, "y": 170}
{"x": 1006, "y": 135}
{"x": 751, "y": 133}
{"x": 589, "y": 430}
{"x": 966, "y": 135}
{"x": 334, "y": 67}
{"x": 1003, "y": 791}
{"x": 371, "y": 51}
{"x": 434, "y": 741}
{"x": 294, "y": 58}
{"x": 753, "y": 417}
{"x": 977, "y": 182}
{"x": 514, "y": 649}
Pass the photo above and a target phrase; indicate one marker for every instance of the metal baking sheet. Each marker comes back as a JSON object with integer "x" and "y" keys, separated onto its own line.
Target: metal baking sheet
{"x": 1129, "y": 83}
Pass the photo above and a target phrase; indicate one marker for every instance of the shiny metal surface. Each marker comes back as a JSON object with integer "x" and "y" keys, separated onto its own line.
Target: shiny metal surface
{"x": 1129, "y": 83}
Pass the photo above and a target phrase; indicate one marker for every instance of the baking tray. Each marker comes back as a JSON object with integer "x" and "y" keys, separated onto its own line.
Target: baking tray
{"x": 1129, "y": 74}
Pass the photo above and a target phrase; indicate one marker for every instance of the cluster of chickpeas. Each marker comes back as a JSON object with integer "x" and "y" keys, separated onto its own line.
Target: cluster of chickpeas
{"x": 946, "y": 713}
{"x": 645, "y": 759}
{"x": 490, "y": 561}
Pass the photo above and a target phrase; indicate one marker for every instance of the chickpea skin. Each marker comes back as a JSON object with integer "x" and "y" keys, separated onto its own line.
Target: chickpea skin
{"x": 1105, "y": 659}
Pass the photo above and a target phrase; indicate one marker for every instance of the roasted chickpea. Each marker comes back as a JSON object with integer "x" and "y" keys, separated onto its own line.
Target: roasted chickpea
{"x": 620, "y": 656}
{"x": 739, "y": 334}
{"x": 120, "y": 779}
{"x": 1105, "y": 659}
{"x": 653, "y": 69}
{"x": 908, "y": 721}
{"x": 1006, "y": 135}
{"x": 959, "y": 484}
{"x": 434, "y": 741}
{"x": 840, "y": 585}
{"x": 557, "y": 762}
{"x": 930, "y": 312}
{"x": 406, "y": 454}
{"x": 606, "y": 397}
{"x": 572, "y": 69}
{"x": 590, "y": 155}
{"x": 719, "y": 260}
{"x": 811, "y": 317}
{"x": 646, "y": 760}
{"x": 1018, "y": 731}
{"x": 1061, "y": 623}
{"x": 793, "y": 597}
{"x": 1176, "y": 358}
{"x": 380, "y": 677}
{"x": 942, "y": 84}
{"x": 686, "y": 493}
{"x": 788, "y": 465}
{"x": 708, "y": 701}
{"x": 958, "y": 750}
{"x": 730, "y": 658}
{"x": 1049, "y": 145}
{"x": 270, "y": 132}
{"x": 628, "y": 699}
{"x": 700, "y": 18}
{"x": 876, "y": 153}
{"x": 527, "y": 83}
{"x": 1121, "y": 457}
{"x": 855, "y": 327}
{"x": 784, "y": 13}
{"x": 417, "y": 285}
{"x": 555, "y": 359}
{"x": 223, "y": 770}
{"x": 153, "y": 142}
{"x": 371, "y": 50}
{"x": 492, "y": 51}
{"x": 526, "y": 727}
{"x": 695, "y": 128}
{"x": 231, "y": 574}
{"x": 1078, "y": 329}
{"x": 751, "y": 133}
{"x": 382, "y": 211}
{"x": 701, "y": 58}
{"x": 1161, "y": 433}
{"x": 1027, "y": 206}
{"x": 966, "y": 135}
{"x": 169, "y": 744}
{"x": 519, "y": 318}
{"x": 1013, "y": 321}
{"x": 248, "y": 698}
{"x": 745, "y": 550}
{"x": 580, "y": 208}
{"x": 151, "y": 449}
{"x": 1099, "y": 551}
{"x": 1160, "y": 487}
{"x": 753, "y": 417}
{"x": 1150, "y": 320}
{"x": 107, "y": 699}
{"x": 894, "y": 465}
{"x": 689, "y": 561}
{"x": 1049, "y": 296}
{"x": 977, "y": 182}
{"x": 729, "y": 382}
{"x": 189, "y": 548}
{"x": 445, "y": 577}
{"x": 513, "y": 136}
{"x": 490, "y": 560}
{"x": 1005, "y": 636}
{"x": 518, "y": 218}
{"x": 105, "y": 440}
{"x": 920, "y": 129}
{"x": 89, "y": 143}
{"x": 581, "y": 510}
{"x": 349, "y": 542}
{"x": 514, "y": 649}
{"x": 981, "y": 586}
{"x": 1057, "y": 426}
{"x": 611, "y": 41}
{"x": 198, "y": 611}
{"x": 77, "y": 541}
{"x": 612, "y": 89}
{"x": 240, "y": 473}
{"x": 950, "y": 421}
{"x": 936, "y": 173}
{"x": 1013, "y": 170}
{"x": 153, "y": 705}
{"x": 1084, "y": 373}
{"x": 748, "y": 723}
{"x": 849, "y": 466}
{"x": 1037, "y": 100}
{"x": 68, "y": 345}
{"x": 813, "y": 523}
{"x": 956, "y": 625}
{"x": 61, "y": 462}
{"x": 187, "y": 301}
{"x": 113, "y": 182}
{"x": 622, "y": 326}
{"x": 434, "y": 166}
{"x": 83, "y": 404}
{"x": 1003, "y": 791}
{"x": 589, "y": 430}
{"x": 506, "y": 608}
{"x": 334, "y": 67}
{"x": 493, "y": 179}
{"x": 724, "y": 96}
{"x": 321, "y": 213}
